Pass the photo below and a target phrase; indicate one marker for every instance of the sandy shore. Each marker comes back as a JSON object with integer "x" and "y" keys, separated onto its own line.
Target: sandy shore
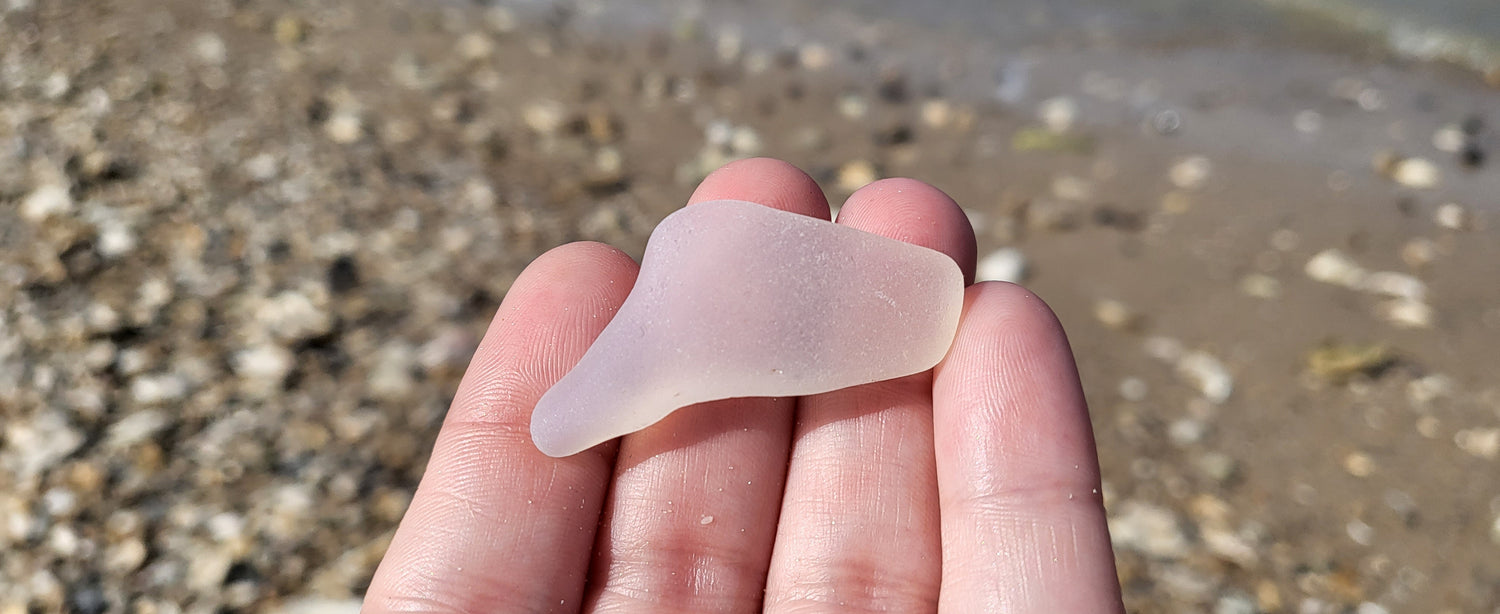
{"x": 245, "y": 254}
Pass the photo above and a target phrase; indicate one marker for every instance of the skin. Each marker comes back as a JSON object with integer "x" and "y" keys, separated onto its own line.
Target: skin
{"x": 970, "y": 488}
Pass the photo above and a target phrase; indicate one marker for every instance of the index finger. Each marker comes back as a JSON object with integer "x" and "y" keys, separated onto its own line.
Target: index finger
{"x": 496, "y": 525}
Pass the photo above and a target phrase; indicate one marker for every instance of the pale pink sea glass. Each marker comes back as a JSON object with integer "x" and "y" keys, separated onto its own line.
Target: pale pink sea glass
{"x": 736, "y": 299}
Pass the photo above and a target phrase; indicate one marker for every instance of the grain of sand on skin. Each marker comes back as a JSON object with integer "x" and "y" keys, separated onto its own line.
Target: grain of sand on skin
{"x": 247, "y": 251}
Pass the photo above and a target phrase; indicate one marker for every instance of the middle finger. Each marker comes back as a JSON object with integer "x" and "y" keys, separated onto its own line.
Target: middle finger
{"x": 859, "y": 521}
{"x": 691, "y": 514}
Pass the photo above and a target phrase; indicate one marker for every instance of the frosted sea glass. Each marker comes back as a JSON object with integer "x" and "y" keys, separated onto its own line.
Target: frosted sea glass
{"x": 736, "y": 299}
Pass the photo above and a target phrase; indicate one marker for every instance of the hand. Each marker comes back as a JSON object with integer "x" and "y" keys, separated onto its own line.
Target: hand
{"x": 970, "y": 488}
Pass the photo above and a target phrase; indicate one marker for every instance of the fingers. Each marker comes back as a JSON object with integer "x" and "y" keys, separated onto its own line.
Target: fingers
{"x": 1018, "y": 478}
{"x": 859, "y": 523}
{"x": 496, "y": 525}
{"x": 692, "y": 512}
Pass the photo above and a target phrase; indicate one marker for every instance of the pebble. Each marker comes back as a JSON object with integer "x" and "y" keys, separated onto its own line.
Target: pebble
{"x": 856, "y": 174}
{"x": 1449, "y": 138}
{"x": 1337, "y": 363}
{"x": 1116, "y": 315}
{"x": 268, "y": 364}
{"x": 1073, "y": 188}
{"x": 60, "y": 502}
{"x": 936, "y": 113}
{"x": 1495, "y": 530}
{"x": 46, "y": 201}
{"x": 1332, "y": 266}
{"x": 320, "y": 605}
{"x": 1053, "y": 215}
{"x": 1134, "y": 389}
{"x": 729, "y": 44}
{"x": 1428, "y": 388}
{"x": 1058, "y": 114}
{"x": 1208, "y": 374}
{"x": 1187, "y": 431}
{"x": 853, "y": 106}
{"x": 1395, "y": 285}
{"x": 56, "y": 85}
{"x": 210, "y": 566}
{"x": 475, "y": 46}
{"x": 1260, "y": 285}
{"x": 1236, "y": 604}
{"x": 544, "y": 117}
{"x": 745, "y": 141}
{"x": 210, "y": 49}
{"x": 344, "y": 127}
{"x": 289, "y": 30}
{"x": 33, "y": 446}
{"x": 1406, "y": 313}
{"x": 1360, "y": 531}
{"x": 292, "y": 316}
{"x": 1416, "y": 173}
{"x": 1359, "y": 464}
{"x": 116, "y": 240}
{"x": 1149, "y": 529}
{"x": 125, "y": 557}
{"x": 1308, "y": 122}
{"x": 1452, "y": 216}
{"x": 1190, "y": 173}
{"x": 1176, "y": 202}
{"x": 1481, "y": 442}
{"x": 1217, "y": 466}
{"x": 391, "y": 378}
{"x": 158, "y": 389}
{"x": 1005, "y": 264}
{"x": 1418, "y": 253}
{"x": 814, "y": 56}
{"x": 135, "y": 428}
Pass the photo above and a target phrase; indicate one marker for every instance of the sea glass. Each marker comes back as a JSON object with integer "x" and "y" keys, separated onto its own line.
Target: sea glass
{"x": 736, "y": 299}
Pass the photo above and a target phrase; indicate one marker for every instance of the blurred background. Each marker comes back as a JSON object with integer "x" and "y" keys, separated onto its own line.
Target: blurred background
{"x": 246, "y": 249}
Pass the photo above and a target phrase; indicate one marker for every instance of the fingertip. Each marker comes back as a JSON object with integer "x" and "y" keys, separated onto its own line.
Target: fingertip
{"x": 485, "y": 472}
{"x": 997, "y": 309}
{"x": 766, "y": 181}
{"x": 582, "y": 264}
{"x": 550, "y": 315}
{"x": 915, "y": 212}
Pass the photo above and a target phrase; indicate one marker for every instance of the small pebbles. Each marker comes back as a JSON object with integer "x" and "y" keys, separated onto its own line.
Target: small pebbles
{"x": 1116, "y": 315}
{"x": 1332, "y": 266}
{"x": 1004, "y": 264}
{"x": 1190, "y": 173}
{"x": 1151, "y": 530}
{"x": 1058, "y": 114}
{"x": 1416, "y": 173}
{"x": 1452, "y": 216}
{"x": 856, "y": 174}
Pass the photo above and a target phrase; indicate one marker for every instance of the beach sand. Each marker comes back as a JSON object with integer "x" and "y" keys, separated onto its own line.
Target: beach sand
{"x": 247, "y": 251}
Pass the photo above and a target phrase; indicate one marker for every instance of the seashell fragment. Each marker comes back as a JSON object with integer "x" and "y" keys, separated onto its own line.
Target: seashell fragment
{"x": 736, "y": 299}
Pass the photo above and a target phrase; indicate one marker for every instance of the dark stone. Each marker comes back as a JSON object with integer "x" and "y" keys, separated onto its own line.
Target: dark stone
{"x": 893, "y": 89}
{"x": 318, "y": 111}
{"x": 81, "y": 261}
{"x": 1472, "y": 125}
{"x": 343, "y": 275}
{"x": 1472, "y": 156}
{"x": 899, "y": 134}
{"x": 1111, "y": 217}
{"x": 87, "y": 598}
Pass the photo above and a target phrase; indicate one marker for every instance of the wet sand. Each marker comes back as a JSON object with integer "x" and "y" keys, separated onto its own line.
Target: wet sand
{"x": 246, "y": 253}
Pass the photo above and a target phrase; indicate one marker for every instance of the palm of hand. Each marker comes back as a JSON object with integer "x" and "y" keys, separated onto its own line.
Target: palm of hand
{"x": 971, "y": 488}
